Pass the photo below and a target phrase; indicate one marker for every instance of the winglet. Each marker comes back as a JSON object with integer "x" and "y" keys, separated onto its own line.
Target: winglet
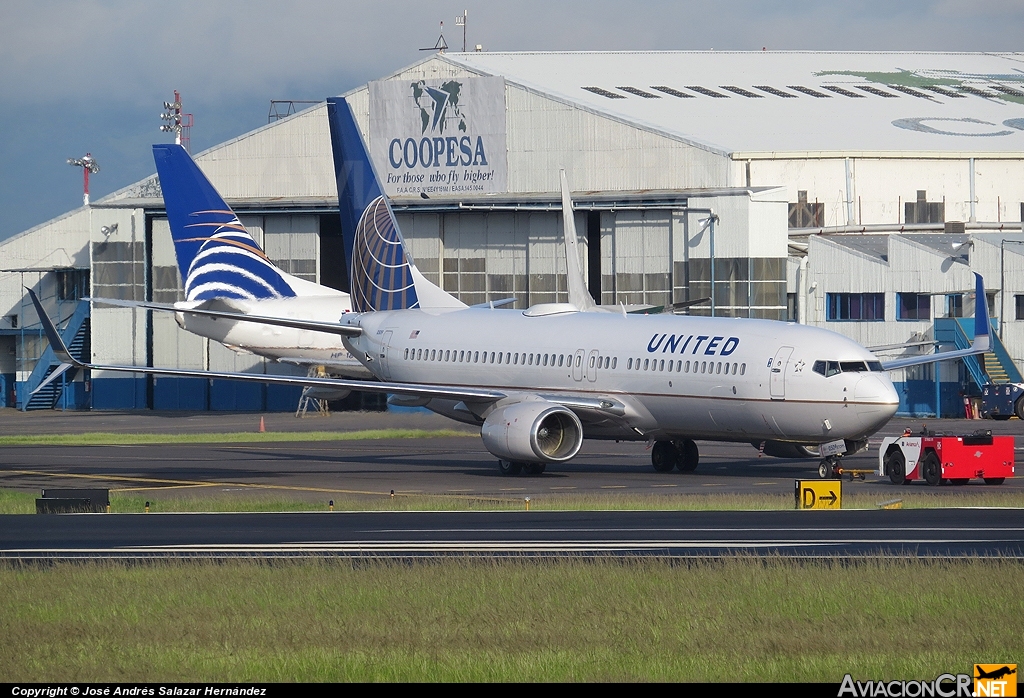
{"x": 982, "y": 339}
{"x": 56, "y": 343}
{"x": 578, "y": 293}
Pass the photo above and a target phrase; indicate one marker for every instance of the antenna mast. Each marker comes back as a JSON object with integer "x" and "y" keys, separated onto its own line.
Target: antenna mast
{"x": 461, "y": 22}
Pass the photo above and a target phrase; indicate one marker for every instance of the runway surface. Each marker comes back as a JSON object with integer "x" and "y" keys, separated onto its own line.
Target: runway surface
{"x": 456, "y": 466}
{"x": 318, "y": 471}
{"x": 845, "y": 534}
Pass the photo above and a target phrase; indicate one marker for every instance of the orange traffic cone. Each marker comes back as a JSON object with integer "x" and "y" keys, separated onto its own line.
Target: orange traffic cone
{"x": 263, "y": 427}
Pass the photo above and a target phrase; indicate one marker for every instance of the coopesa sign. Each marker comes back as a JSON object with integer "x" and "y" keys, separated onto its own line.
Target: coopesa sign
{"x": 439, "y": 136}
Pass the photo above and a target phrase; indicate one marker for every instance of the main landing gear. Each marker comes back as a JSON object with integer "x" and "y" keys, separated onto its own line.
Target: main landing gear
{"x": 512, "y": 467}
{"x": 681, "y": 454}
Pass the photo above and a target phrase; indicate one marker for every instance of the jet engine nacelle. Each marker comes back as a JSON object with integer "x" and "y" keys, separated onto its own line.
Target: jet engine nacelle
{"x": 538, "y": 431}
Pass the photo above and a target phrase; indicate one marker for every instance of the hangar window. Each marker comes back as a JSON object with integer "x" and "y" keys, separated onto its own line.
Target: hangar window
{"x": 970, "y": 89}
{"x": 72, "y": 284}
{"x": 924, "y": 211}
{"x": 908, "y": 91}
{"x": 808, "y": 91}
{"x": 943, "y": 91}
{"x": 671, "y": 91}
{"x": 875, "y": 91}
{"x": 806, "y": 214}
{"x": 955, "y": 305}
{"x": 741, "y": 92}
{"x": 705, "y": 91}
{"x": 840, "y": 91}
{"x": 913, "y": 306}
{"x": 863, "y": 307}
{"x": 774, "y": 91}
{"x": 603, "y": 92}
{"x": 1018, "y": 304}
{"x": 1008, "y": 90}
{"x": 637, "y": 91}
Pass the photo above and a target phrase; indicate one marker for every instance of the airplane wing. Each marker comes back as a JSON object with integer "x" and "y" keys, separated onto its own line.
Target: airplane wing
{"x": 585, "y": 405}
{"x": 980, "y": 345}
{"x": 420, "y": 390}
{"x": 315, "y": 326}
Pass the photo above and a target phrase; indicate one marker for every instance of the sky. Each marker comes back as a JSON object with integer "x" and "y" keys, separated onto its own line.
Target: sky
{"x": 81, "y": 76}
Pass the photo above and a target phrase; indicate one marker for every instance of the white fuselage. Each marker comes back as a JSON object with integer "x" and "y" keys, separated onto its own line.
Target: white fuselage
{"x": 283, "y": 343}
{"x": 676, "y": 376}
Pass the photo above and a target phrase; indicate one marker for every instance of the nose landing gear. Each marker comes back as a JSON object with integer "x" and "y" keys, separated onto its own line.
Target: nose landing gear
{"x": 829, "y": 467}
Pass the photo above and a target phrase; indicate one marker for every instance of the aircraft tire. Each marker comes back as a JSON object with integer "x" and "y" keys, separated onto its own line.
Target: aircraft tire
{"x": 509, "y": 468}
{"x": 664, "y": 456}
{"x": 534, "y": 468}
{"x": 931, "y": 469}
{"x": 896, "y": 467}
{"x": 689, "y": 455}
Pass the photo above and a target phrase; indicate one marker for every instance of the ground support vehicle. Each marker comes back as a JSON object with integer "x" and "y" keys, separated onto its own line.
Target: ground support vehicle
{"x": 937, "y": 458}
{"x": 1002, "y": 400}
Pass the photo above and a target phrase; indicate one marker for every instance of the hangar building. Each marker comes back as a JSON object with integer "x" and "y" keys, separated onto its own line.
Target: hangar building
{"x": 826, "y": 188}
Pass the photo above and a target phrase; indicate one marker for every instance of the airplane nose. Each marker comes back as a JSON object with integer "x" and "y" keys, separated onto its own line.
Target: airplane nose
{"x": 876, "y": 400}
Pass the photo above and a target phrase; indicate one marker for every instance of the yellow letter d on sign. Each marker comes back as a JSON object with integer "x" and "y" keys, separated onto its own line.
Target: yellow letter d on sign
{"x": 819, "y": 494}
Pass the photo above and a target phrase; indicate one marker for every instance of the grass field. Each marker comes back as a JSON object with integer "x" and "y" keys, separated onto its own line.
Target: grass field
{"x": 113, "y": 439}
{"x": 454, "y": 620}
{"x": 268, "y": 500}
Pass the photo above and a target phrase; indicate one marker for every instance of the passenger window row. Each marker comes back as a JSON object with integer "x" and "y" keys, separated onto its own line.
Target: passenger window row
{"x": 715, "y": 367}
{"x": 514, "y": 358}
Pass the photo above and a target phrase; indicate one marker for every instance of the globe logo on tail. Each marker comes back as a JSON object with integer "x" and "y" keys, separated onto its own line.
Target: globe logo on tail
{"x": 381, "y": 275}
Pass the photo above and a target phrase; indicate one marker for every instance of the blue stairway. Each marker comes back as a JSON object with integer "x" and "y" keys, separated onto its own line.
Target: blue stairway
{"x": 77, "y": 335}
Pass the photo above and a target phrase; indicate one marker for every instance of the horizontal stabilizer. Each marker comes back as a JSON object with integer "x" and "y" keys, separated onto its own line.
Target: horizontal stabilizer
{"x": 312, "y": 325}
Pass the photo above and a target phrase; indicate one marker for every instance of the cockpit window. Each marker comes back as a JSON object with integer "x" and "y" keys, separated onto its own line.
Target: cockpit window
{"x": 831, "y": 368}
{"x": 853, "y": 366}
{"x": 875, "y": 366}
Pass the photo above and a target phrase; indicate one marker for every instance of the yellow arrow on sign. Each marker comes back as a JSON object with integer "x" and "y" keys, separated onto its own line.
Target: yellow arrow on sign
{"x": 818, "y": 494}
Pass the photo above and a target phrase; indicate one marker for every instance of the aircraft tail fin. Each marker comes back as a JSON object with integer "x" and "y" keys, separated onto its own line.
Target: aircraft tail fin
{"x": 578, "y": 293}
{"x": 216, "y": 255}
{"x": 982, "y": 327}
{"x": 382, "y": 275}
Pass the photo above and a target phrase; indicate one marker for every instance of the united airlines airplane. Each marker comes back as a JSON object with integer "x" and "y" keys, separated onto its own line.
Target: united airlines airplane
{"x": 538, "y": 381}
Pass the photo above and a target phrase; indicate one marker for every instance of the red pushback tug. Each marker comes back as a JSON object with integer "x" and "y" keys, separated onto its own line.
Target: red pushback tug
{"x": 953, "y": 458}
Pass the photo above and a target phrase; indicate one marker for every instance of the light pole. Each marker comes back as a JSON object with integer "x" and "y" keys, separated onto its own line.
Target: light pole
{"x": 1002, "y": 281}
{"x": 89, "y": 166}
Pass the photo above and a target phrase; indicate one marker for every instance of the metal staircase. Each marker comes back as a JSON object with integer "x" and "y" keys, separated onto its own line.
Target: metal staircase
{"x": 996, "y": 366}
{"x": 77, "y": 335}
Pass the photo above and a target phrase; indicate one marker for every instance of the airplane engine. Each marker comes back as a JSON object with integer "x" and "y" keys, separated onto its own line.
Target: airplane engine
{"x": 532, "y": 432}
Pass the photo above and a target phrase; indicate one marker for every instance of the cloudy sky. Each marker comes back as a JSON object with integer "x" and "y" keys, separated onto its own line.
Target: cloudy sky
{"x": 91, "y": 75}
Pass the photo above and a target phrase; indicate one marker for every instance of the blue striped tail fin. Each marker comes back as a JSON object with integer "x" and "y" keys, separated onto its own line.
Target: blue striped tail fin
{"x": 216, "y": 255}
{"x": 382, "y": 275}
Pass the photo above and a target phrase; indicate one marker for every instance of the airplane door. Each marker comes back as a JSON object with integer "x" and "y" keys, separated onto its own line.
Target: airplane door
{"x": 385, "y": 347}
{"x": 577, "y": 364}
{"x": 778, "y": 373}
{"x": 592, "y": 366}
